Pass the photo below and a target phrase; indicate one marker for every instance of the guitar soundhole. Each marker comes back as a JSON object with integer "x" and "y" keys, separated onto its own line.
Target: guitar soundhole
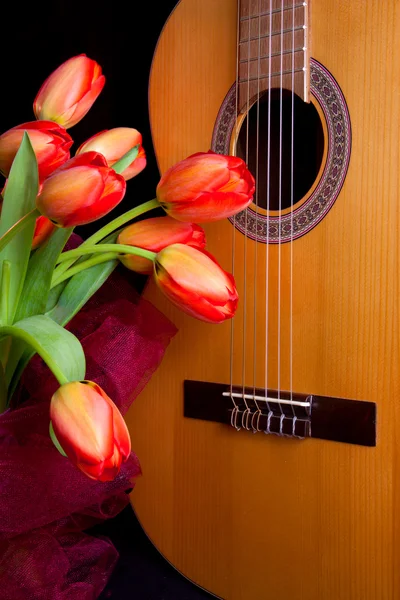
{"x": 322, "y": 182}
{"x": 278, "y": 122}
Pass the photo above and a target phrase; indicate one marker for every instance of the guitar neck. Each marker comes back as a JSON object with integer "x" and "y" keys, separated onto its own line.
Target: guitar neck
{"x": 273, "y": 48}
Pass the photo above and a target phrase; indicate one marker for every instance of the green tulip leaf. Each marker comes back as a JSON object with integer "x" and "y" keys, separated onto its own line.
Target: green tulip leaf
{"x": 81, "y": 287}
{"x": 19, "y": 200}
{"x": 40, "y": 272}
{"x": 3, "y": 390}
{"x": 59, "y": 348}
{"x": 54, "y": 295}
{"x": 22, "y": 356}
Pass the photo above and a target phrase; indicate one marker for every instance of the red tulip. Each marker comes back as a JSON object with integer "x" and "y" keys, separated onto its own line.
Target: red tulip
{"x": 155, "y": 234}
{"x": 43, "y": 230}
{"x": 113, "y": 144}
{"x": 82, "y": 190}
{"x": 70, "y": 91}
{"x": 50, "y": 142}
{"x": 206, "y": 187}
{"x": 90, "y": 429}
{"x": 193, "y": 280}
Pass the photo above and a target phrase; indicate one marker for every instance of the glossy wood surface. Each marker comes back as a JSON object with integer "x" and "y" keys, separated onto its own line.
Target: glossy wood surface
{"x": 252, "y": 517}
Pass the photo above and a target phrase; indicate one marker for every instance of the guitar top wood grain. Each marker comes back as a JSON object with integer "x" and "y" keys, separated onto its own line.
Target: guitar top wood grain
{"x": 256, "y": 517}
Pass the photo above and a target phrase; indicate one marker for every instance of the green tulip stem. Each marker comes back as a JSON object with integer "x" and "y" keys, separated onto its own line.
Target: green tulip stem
{"x": 106, "y": 230}
{"x": 116, "y": 248}
{"x": 95, "y": 260}
{"x": 126, "y": 160}
{"x": 5, "y": 291}
{"x": 121, "y": 220}
{"x": 10, "y": 233}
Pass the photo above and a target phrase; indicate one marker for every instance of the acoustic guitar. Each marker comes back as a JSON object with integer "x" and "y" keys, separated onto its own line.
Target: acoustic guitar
{"x": 270, "y": 444}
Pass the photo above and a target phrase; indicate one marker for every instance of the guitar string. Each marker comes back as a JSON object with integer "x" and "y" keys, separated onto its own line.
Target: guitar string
{"x": 279, "y": 290}
{"x": 291, "y": 220}
{"x": 235, "y": 406}
{"x": 244, "y": 329}
{"x": 257, "y": 198}
{"x": 268, "y": 207}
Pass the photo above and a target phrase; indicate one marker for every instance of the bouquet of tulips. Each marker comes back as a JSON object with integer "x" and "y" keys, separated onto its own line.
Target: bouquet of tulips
{"x": 47, "y": 192}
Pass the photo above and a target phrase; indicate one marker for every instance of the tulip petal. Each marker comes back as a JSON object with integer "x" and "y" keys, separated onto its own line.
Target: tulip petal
{"x": 210, "y": 207}
{"x": 43, "y": 229}
{"x": 192, "y": 279}
{"x": 206, "y": 186}
{"x": 114, "y": 144}
{"x": 63, "y": 193}
{"x": 95, "y": 208}
{"x": 196, "y": 271}
{"x": 74, "y": 114}
{"x": 190, "y": 179}
{"x": 197, "y": 306}
{"x": 104, "y": 471}
{"x": 51, "y": 146}
{"x": 121, "y": 433}
{"x": 87, "y": 159}
{"x": 69, "y": 92}
{"x": 83, "y": 423}
{"x": 156, "y": 233}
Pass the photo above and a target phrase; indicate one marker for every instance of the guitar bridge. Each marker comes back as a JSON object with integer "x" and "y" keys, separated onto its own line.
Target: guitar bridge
{"x": 282, "y": 413}
{"x": 271, "y": 415}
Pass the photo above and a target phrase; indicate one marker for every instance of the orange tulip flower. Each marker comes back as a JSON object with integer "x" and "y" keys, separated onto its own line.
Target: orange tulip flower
{"x": 206, "y": 186}
{"x": 113, "y": 144}
{"x": 89, "y": 429}
{"x": 193, "y": 280}
{"x": 50, "y": 142}
{"x": 83, "y": 190}
{"x": 155, "y": 234}
{"x": 70, "y": 91}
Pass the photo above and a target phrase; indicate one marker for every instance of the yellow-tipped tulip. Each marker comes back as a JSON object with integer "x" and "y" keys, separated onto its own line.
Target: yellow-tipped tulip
{"x": 90, "y": 429}
{"x": 70, "y": 91}
{"x": 193, "y": 280}
{"x": 83, "y": 190}
{"x": 206, "y": 187}
{"x": 113, "y": 144}
{"x": 50, "y": 142}
{"x": 155, "y": 234}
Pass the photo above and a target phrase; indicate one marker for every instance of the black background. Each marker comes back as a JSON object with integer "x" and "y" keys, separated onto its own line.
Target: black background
{"x": 121, "y": 36}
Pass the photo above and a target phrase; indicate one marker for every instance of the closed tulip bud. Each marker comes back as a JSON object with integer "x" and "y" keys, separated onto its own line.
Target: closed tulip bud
{"x": 50, "y": 142}
{"x": 89, "y": 429}
{"x": 70, "y": 91}
{"x": 193, "y": 280}
{"x": 206, "y": 186}
{"x": 82, "y": 190}
{"x": 113, "y": 144}
{"x": 43, "y": 230}
{"x": 155, "y": 234}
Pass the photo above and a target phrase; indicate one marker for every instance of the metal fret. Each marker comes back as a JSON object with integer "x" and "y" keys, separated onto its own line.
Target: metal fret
{"x": 268, "y": 32}
{"x": 273, "y": 55}
{"x": 267, "y": 35}
{"x": 278, "y": 74}
{"x": 273, "y": 12}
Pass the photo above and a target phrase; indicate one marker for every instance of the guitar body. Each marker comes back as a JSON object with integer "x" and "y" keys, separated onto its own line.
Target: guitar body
{"x": 252, "y": 516}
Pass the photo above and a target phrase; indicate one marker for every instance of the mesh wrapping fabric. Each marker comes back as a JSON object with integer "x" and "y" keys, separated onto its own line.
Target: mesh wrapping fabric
{"x": 46, "y": 503}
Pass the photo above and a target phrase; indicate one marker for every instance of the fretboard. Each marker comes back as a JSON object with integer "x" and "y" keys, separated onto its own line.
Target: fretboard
{"x": 274, "y": 48}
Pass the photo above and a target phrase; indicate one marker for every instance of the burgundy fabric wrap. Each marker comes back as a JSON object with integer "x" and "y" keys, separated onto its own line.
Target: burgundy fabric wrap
{"x": 46, "y": 503}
